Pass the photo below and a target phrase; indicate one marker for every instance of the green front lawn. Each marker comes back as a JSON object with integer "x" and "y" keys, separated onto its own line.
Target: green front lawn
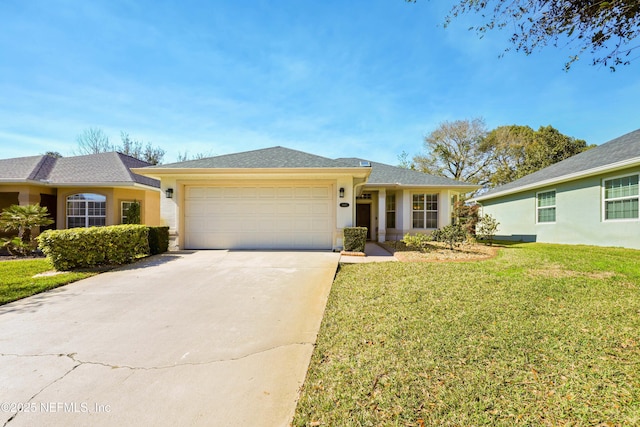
{"x": 540, "y": 335}
{"x": 17, "y": 281}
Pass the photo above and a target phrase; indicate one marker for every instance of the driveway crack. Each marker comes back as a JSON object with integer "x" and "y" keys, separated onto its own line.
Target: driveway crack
{"x": 43, "y": 388}
{"x": 79, "y": 362}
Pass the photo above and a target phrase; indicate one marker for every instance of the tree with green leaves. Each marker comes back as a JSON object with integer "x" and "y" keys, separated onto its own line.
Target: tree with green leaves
{"x": 605, "y": 30}
{"x": 520, "y": 151}
{"x": 22, "y": 219}
{"x": 487, "y": 228}
{"x": 133, "y": 213}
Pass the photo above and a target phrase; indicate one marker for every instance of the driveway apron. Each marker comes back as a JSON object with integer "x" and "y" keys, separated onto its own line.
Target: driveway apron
{"x": 211, "y": 338}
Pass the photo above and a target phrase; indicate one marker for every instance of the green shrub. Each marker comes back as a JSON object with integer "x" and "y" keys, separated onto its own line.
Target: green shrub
{"x": 419, "y": 241}
{"x": 22, "y": 219}
{"x": 94, "y": 246}
{"x": 133, "y": 213}
{"x": 355, "y": 239}
{"x": 487, "y": 228}
{"x": 450, "y": 234}
{"x": 158, "y": 240}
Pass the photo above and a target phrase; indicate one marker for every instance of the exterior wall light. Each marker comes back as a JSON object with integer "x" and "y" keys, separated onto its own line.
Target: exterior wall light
{"x": 342, "y": 192}
{"x": 169, "y": 193}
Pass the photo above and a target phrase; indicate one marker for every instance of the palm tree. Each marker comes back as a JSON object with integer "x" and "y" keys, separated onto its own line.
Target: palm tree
{"x": 22, "y": 219}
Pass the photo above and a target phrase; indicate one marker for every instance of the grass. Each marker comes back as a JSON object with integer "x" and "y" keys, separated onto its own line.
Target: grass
{"x": 17, "y": 281}
{"x": 540, "y": 335}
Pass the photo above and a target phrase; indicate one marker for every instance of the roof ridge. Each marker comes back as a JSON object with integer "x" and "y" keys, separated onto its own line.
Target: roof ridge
{"x": 42, "y": 171}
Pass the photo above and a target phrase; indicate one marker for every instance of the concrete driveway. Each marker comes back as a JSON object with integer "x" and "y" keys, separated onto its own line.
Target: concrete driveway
{"x": 210, "y": 338}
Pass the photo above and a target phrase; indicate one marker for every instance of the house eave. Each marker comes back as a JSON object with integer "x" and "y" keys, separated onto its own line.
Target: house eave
{"x": 612, "y": 167}
{"x": 158, "y": 173}
{"x": 400, "y": 185}
{"x": 104, "y": 185}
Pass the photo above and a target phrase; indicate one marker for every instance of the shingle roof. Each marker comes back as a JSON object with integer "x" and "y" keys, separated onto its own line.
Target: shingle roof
{"x": 281, "y": 157}
{"x": 102, "y": 168}
{"x": 622, "y": 149}
{"x": 267, "y": 158}
{"x": 382, "y": 174}
{"x": 21, "y": 168}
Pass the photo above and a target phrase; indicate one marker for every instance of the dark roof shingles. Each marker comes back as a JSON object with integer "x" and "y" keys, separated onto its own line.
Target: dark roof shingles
{"x": 617, "y": 150}
{"x": 267, "y": 158}
{"x": 382, "y": 173}
{"x": 102, "y": 168}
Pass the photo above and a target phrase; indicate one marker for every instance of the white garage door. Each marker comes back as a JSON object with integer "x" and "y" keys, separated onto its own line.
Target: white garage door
{"x": 259, "y": 216}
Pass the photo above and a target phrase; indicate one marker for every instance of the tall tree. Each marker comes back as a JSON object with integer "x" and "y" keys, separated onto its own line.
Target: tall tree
{"x": 198, "y": 156}
{"x": 604, "y": 29}
{"x": 519, "y": 150}
{"x": 550, "y": 146}
{"x": 465, "y": 151}
{"x": 457, "y": 150}
{"x": 93, "y": 141}
{"x": 137, "y": 149}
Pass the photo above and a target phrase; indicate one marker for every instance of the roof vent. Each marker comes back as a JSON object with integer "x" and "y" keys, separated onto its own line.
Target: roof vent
{"x": 365, "y": 163}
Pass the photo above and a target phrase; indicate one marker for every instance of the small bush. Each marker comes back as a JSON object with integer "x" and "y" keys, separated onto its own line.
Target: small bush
{"x": 355, "y": 239}
{"x": 94, "y": 246}
{"x": 419, "y": 241}
{"x": 22, "y": 219}
{"x": 133, "y": 213}
{"x": 453, "y": 235}
{"x": 158, "y": 240}
{"x": 487, "y": 228}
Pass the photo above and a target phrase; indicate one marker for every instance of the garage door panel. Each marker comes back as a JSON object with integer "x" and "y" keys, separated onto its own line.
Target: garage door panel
{"x": 320, "y": 193}
{"x": 267, "y": 192}
{"x": 259, "y": 216}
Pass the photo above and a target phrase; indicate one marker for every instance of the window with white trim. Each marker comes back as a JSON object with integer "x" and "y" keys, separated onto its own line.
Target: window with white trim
{"x": 86, "y": 210}
{"x": 546, "y": 206}
{"x": 391, "y": 210}
{"x": 621, "y": 198}
{"x": 424, "y": 210}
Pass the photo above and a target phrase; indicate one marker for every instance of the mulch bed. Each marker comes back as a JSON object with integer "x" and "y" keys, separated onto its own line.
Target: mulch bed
{"x": 440, "y": 252}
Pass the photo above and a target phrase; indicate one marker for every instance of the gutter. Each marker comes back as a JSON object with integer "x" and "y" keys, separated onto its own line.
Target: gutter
{"x": 612, "y": 167}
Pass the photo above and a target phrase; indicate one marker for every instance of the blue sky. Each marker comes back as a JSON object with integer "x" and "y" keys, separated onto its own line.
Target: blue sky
{"x": 338, "y": 79}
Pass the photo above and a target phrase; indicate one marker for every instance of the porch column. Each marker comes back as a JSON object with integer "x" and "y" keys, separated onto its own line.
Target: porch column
{"x": 406, "y": 211}
{"x": 382, "y": 215}
{"x": 444, "y": 208}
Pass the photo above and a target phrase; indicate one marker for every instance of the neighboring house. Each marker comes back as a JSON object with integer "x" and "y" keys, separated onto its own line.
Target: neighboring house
{"x": 80, "y": 191}
{"x": 590, "y": 198}
{"x": 278, "y": 198}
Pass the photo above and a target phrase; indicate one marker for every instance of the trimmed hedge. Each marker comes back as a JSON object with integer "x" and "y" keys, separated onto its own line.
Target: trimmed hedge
{"x": 158, "y": 240}
{"x": 355, "y": 239}
{"x": 94, "y": 246}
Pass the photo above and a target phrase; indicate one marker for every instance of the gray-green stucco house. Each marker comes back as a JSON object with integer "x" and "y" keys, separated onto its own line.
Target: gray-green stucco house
{"x": 590, "y": 198}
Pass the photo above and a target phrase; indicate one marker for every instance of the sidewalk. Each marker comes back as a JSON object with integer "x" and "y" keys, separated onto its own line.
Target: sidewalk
{"x": 374, "y": 252}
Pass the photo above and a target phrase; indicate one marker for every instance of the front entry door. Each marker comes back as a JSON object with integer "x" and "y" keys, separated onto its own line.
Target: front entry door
{"x": 363, "y": 217}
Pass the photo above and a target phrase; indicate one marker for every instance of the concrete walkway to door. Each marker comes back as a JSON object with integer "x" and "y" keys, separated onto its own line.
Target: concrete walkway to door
{"x": 211, "y": 338}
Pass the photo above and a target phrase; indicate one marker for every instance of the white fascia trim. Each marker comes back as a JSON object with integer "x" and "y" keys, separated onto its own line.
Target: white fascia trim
{"x": 612, "y": 167}
{"x": 159, "y": 173}
{"x": 468, "y": 187}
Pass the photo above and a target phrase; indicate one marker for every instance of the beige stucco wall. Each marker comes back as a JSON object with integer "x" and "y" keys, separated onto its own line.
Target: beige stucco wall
{"x": 28, "y": 194}
{"x": 149, "y": 203}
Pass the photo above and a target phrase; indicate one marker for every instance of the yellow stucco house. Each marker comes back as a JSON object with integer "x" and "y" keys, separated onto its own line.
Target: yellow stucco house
{"x": 80, "y": 191}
